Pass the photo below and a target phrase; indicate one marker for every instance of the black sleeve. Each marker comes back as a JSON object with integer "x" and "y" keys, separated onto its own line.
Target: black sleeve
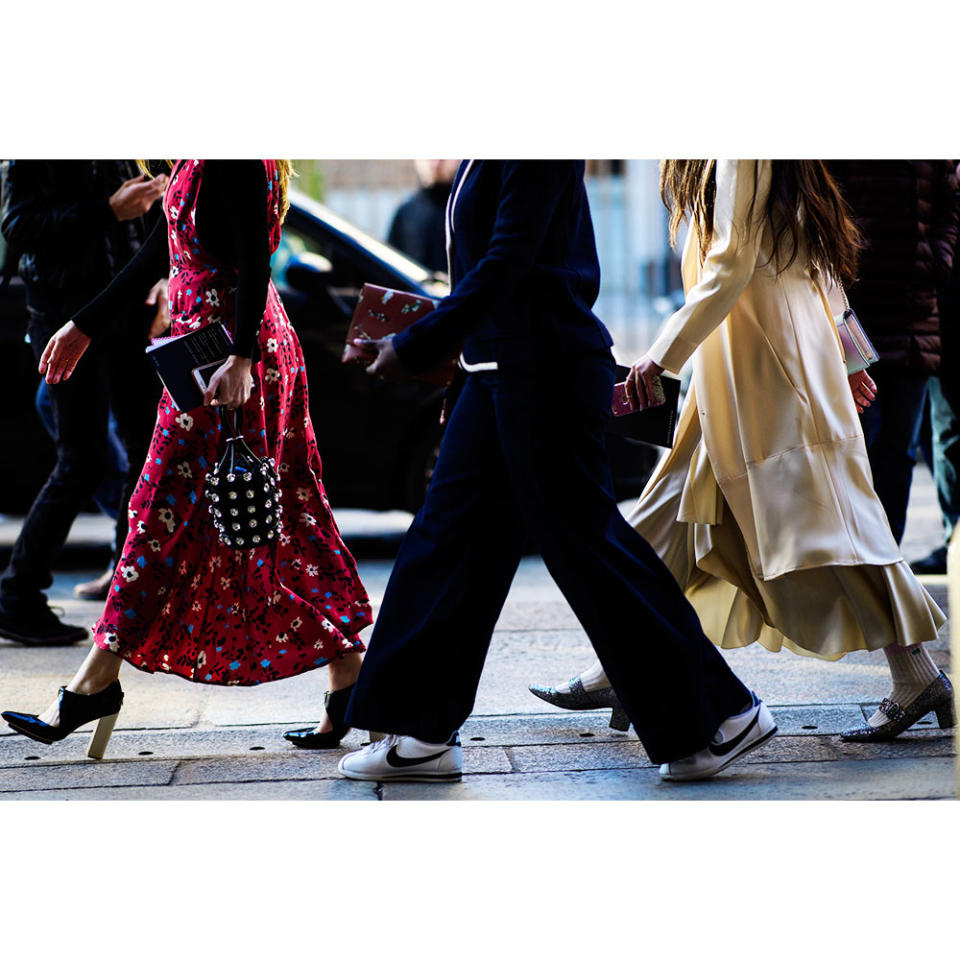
{"x": 148, "y": 265}
{"x": 529, "y": 193}
{"x": 31, "y": 219}
{"x": 232, "y": 224}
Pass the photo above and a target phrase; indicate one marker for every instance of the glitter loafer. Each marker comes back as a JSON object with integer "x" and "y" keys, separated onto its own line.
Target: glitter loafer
{"x": 577, "y": 698}
{"x": 937, "y": 697}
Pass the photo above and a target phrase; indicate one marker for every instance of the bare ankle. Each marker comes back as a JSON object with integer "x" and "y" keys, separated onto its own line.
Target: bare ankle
{"x": 96, "y": 673}
{"x": 344, "y": 670}
{"x": 87, "y": 686}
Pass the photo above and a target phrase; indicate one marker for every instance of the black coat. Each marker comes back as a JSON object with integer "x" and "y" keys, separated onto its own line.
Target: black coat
{"x": 525, "y": 267}
{"x": 907, "y": 211}
{"x": 56, "y": 213}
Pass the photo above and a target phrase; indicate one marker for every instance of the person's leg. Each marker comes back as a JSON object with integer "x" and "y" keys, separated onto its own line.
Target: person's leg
{"x": 99, "y": 669}
{"x": 891, "y": 426}
{"x": 135, "y": 391}
{"x": 93, "y": 694}
{"x": 940, "y": 442}
{"x": 449, "y": 582}
{"x": 671, "y": 680}
{"x": 945, "y": 430}
{"x": 80, "y": 414}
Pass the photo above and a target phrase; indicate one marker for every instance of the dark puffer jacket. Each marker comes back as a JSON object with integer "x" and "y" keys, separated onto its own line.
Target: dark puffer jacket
{"x": 908, "y": 212}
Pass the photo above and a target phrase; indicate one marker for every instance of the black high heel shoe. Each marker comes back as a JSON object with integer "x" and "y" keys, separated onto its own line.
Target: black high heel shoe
{"x": 335, "y": 703}
{"x": 76, "y": 709}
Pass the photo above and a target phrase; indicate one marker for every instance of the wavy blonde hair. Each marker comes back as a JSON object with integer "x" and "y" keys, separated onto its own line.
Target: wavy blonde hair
{"x": 284, "y": 168}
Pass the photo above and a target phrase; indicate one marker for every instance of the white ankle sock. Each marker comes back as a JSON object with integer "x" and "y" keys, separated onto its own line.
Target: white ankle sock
{"x": 912, "y": 670}
{"x": 592, "y": 679}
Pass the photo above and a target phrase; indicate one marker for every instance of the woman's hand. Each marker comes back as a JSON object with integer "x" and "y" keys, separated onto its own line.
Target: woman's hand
{"x": 62, "y": 352}
{"x": 643, "y": 384}
{"x": 387, "y": 364}
{"x": 863, "y": 388}
{"x": 231, "y": 384}
{"x": 161, "y": 319}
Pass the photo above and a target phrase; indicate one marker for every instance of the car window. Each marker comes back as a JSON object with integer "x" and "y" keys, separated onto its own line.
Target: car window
{"x": 292, "y": 242}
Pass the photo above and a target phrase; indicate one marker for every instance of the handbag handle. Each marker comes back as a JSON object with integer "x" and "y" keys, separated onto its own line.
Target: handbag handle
{"x": 233, "y": 434}
{"x": 843, "y": 294}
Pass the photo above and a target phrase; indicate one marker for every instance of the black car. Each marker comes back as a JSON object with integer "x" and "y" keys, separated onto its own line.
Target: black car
{"x": 378, "y": 440}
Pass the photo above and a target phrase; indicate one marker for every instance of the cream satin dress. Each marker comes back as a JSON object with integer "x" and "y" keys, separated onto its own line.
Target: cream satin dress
{"x": 764, "y": 510}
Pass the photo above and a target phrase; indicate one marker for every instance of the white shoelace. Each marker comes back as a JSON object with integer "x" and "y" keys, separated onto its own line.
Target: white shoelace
{"x": 377, "y": 746}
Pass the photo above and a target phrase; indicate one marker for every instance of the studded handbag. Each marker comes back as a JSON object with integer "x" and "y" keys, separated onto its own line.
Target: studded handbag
{"x": 243, "y": 491}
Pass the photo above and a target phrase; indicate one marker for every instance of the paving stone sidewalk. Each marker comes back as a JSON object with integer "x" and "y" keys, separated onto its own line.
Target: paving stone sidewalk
{"x": 182, "y": 741}
{"x": 528, "y": 757}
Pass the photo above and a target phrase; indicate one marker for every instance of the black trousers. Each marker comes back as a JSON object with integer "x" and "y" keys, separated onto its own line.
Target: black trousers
{"x": 112, "y": 371}
{"x": 891, "y": 430}
{"x": 524, "y": 454}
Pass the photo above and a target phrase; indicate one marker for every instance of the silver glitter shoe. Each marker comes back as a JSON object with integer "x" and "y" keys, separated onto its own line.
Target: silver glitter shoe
{"x": 937, "y": 697}
{"x": 580, "y": 699}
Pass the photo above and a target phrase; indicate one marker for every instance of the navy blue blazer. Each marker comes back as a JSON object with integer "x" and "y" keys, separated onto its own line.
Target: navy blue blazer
{"x": 525, "y": 268}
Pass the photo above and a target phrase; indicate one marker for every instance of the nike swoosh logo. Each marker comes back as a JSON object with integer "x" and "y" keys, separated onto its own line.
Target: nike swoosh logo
{"x": 722, "y": 749}
{"x": 395, "y": 760}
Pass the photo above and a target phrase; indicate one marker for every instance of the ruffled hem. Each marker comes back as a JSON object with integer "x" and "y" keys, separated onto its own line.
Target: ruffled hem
{"x": 106, "y": 641}
{"x": 824, "y": 612}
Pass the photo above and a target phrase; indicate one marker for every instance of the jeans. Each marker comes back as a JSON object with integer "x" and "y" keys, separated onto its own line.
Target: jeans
{"x": 940, "y": 440}
{"x": 891, "y": 428}
{"x": 114, "y": 372}
{"x": 80, "y": 408}
{"x": 107, "y": 495}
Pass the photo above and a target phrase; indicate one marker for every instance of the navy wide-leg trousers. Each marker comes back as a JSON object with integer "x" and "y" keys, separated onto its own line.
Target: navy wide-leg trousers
{"x": 523, "y": 456}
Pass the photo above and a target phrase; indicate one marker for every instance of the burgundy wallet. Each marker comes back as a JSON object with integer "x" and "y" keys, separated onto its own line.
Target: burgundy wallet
{"x": 382, "y": 312}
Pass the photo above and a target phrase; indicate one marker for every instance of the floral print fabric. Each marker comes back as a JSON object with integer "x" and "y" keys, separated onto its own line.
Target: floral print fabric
{"x": 180, "y": 601}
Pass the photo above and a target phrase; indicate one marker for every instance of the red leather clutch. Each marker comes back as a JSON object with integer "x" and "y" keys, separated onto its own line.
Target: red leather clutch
{"x": 382, "y": 312}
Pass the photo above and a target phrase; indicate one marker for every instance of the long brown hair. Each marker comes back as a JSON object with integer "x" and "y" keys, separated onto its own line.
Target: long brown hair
{"x": 284, "y": 168}
{"x": 804, "y": 204}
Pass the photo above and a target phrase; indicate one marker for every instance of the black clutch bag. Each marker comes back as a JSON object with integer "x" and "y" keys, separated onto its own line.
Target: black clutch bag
{"x": 243, "y": 491}
{"x": 654, "y": 425}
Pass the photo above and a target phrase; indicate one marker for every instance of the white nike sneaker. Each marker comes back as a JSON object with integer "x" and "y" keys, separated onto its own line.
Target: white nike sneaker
{"x": 737, "y": 735}
{"x": 405, "y": 758}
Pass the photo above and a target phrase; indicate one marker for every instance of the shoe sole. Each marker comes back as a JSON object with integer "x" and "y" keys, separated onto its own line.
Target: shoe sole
{"x": 29, "y": 733}
{"x": 406, "y": 778}
{"x": 723, "y": 766}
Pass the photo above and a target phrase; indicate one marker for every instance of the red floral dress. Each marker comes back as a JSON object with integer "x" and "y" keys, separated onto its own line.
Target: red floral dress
{"x": 180, "y": 601}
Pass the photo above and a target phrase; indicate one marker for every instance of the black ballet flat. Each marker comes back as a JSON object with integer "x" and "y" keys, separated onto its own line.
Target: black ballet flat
{"x": 76, "y": 709}
{"x": 335, "y": 703}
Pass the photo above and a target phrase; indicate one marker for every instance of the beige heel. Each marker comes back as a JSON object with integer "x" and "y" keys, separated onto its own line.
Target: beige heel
{"x": 374, "y": 736}
{"x": 101, "y": 736}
